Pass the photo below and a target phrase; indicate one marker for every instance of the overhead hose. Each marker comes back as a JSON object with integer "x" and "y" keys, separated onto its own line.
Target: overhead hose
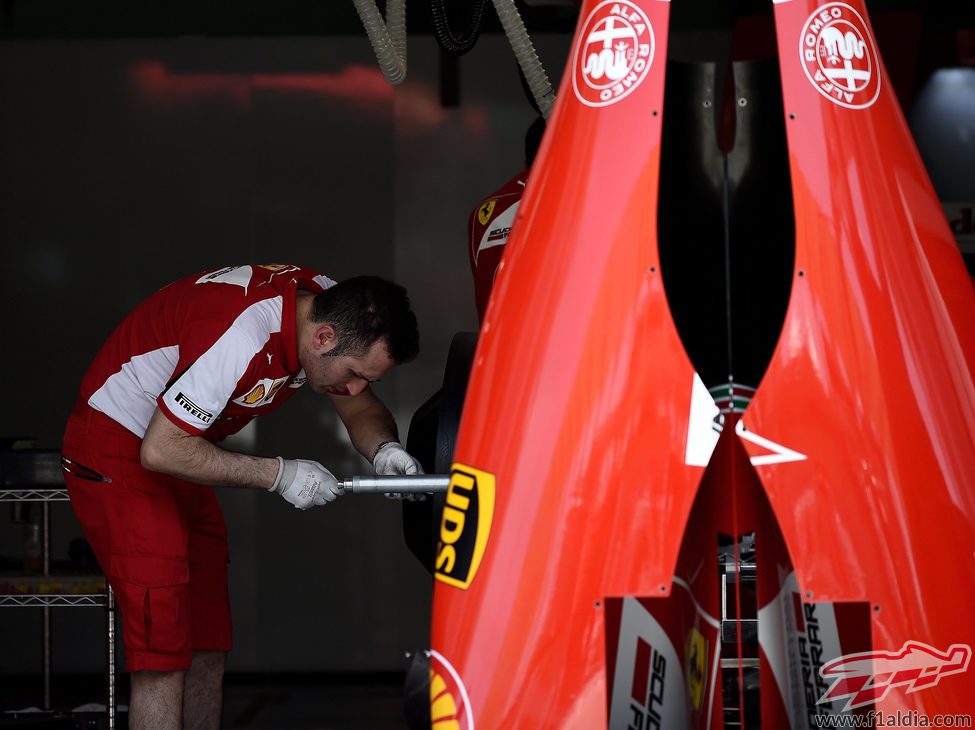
{"x": 388, "y": 38}
{"x": 445, "y": 36}
{"x": 531, "y": 66}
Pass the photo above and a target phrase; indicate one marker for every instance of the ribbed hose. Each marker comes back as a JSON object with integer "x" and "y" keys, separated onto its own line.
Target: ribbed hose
{"x": 531, "y": 66}
{"x": 388, "y": 39}
{"x": 445, "y": 36}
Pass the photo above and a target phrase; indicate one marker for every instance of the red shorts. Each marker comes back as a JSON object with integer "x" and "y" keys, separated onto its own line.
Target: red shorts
{"x": 161, "y": 541}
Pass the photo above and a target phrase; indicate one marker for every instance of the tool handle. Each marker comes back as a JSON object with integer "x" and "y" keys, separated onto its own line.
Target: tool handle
{"x": 421, "y": 483}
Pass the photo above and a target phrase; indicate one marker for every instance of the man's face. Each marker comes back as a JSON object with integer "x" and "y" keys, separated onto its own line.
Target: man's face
{"x": 347, "y": 374}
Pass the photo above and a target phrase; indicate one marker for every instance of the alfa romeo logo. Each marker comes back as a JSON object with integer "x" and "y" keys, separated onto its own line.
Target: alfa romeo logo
{"x": 840, "y": 57}
{"x": 614, "y": 53}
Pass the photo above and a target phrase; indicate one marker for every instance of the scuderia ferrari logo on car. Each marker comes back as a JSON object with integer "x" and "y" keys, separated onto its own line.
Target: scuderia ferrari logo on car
{"x": 465, "y": 525}
{"x": 485, "y": 211}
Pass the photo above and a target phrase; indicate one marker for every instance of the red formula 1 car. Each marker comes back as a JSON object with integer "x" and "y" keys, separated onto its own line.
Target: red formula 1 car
{"x": 716, "y": 461}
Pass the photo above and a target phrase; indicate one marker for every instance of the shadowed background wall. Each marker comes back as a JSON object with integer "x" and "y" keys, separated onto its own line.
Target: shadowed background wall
{"x": 125, "y": 164}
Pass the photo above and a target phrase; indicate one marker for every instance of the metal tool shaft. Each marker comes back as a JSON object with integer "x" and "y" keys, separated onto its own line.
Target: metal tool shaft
{"x": 422, "y": 483}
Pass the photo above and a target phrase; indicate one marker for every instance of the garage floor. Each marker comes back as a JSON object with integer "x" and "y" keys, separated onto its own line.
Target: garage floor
{"x": 374, "y": 704}
{"x": 271, "y": 702}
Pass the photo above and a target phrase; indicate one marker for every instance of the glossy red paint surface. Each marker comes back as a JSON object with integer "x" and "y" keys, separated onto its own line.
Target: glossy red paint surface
{"x": 578, "y": 405}
{"x": 872, "y": 377}
{"x": 580, "y": 394}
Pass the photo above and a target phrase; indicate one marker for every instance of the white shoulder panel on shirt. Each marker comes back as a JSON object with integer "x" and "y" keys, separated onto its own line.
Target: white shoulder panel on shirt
{"x": 201, "y": 392}
{"x": 129, "y": 396}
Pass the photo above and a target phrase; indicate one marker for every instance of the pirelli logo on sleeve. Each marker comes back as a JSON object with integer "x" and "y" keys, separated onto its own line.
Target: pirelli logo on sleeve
{"x": 193, "y": 409}
{"x": 465, "y": 525}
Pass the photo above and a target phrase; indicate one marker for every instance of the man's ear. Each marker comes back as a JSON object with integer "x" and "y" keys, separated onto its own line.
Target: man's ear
{"x": 324, "y": 338}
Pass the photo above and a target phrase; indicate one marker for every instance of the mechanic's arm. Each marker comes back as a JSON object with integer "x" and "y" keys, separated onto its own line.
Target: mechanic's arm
{"x": 168, "y": 449}
{"x": 372, "y": 429}
{"x": 367, "y": 419}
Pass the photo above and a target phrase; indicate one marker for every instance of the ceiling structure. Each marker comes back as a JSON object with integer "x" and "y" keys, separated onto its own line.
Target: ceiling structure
{"x": 25, "y": 19}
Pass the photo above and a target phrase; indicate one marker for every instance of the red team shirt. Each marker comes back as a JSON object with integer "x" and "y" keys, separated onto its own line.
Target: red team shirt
{"x": 488, "y": 229}
{"x": 212, "y": 351}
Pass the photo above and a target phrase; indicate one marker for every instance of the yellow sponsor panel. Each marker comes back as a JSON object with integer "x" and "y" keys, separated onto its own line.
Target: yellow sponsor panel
{"x": 465, "y": 525}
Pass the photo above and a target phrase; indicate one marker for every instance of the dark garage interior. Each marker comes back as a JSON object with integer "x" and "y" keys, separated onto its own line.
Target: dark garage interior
{"x": 144, "y": 141}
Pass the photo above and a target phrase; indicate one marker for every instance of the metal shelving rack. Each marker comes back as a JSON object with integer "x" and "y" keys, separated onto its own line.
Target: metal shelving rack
{"x": 35, "y": 476}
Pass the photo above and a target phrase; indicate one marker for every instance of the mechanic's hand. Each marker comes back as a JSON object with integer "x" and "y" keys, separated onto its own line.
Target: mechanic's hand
{"x": 305, "y": 483}
{"x": 393, "y": 460}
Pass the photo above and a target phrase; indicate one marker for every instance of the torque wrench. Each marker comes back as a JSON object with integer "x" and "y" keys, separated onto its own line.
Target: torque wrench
{"x": 419, "y": 484}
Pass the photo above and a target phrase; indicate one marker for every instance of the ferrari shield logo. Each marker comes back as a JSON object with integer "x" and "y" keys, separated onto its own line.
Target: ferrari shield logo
{"x": 485, "y": 211}
{"x": 695, "y": 654}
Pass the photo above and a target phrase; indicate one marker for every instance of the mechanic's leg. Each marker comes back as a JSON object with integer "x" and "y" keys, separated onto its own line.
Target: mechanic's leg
{"x": 203, "y": 691}
{"x": 156, "y": 701}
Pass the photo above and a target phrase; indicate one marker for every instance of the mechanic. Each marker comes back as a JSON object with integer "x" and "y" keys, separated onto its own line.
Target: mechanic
{"x": 489, "y": 224}
{"x": 191, "y": 365}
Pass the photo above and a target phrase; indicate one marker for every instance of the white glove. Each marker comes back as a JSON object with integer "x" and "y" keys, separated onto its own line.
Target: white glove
{"x": 305, "y": 483}
{"x": 393, "y": 460}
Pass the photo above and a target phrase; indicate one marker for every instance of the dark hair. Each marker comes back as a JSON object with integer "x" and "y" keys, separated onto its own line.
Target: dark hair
{"x": 365, "y": 309}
